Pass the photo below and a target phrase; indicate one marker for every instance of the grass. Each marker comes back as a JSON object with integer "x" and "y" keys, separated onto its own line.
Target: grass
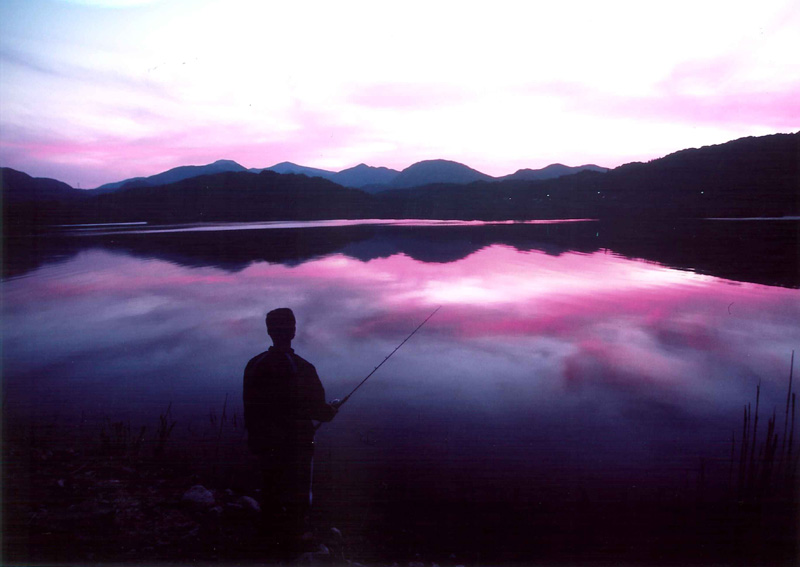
{"x": 165, "y": 426}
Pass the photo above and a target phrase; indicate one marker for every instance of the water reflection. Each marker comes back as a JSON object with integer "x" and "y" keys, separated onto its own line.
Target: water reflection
{"x": 576, "y": 339}
{"x": 757, "y": 251}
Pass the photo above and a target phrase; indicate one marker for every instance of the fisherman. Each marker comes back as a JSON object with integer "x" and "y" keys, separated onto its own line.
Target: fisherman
{"x": 282, "y": 395}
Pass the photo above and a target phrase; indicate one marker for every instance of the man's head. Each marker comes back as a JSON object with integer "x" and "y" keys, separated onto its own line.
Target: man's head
{"x": 281, "y": 326}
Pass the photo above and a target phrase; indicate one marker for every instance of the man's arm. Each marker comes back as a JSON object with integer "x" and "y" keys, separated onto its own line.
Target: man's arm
{"x": 314, "y": 405}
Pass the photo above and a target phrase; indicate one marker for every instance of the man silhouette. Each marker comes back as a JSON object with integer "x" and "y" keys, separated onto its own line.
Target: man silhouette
{"x": 282, "y": 395}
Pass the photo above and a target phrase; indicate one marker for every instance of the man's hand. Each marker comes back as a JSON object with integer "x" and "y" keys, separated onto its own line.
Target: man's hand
{"x": 336, "y": 403}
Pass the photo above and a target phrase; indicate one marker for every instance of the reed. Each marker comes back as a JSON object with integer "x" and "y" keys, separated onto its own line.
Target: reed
{"x": 165, "y": 427}
{"x": 791, "y": 466}
{"x": 115, "y": 437}
{"x": 762, "y": 464}
{"x": 219, "y": 435}
{"x": 768, "y": 458}
{"x": 733, "y": 455}
{"x": 753, "y": 461}
{"x": 743, "y": 451}
{"x": 786, "y": 413}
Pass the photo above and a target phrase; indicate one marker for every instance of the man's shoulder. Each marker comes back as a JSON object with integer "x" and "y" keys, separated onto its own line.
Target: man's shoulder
{"x": 302, "y": 362}
{"x": 253, "y": 361}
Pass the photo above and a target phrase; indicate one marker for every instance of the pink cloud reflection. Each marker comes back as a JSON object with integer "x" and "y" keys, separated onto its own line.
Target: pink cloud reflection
{"x": 631, "y": 320}
{"x": 601, "y": 319}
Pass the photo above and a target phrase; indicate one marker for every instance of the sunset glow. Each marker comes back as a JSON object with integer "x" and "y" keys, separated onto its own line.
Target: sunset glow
{"x": 98, "y": 91}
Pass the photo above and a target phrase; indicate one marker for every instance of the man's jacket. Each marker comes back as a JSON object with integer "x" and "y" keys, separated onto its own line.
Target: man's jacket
{"x": 282, "y": 394}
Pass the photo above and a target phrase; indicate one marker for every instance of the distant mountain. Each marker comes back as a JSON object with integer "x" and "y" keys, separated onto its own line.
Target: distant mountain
{"x": 364, "y": 175}
{"x": 749, "y": 177}
{"x": 437, "y": 171}
{"x": 289, "y": 167}
{"x": 19, "y": 187}
{"x": 370, "y": 179}
{"x": 173, "y": 175}
{"x": 753, "y": 176}
{"x": 238, "y": 195}
{"x": 376, "y": 179}
{"x": 356, "y": 177}
{"x": 31, "y": 202}
{"x": 552, "y": 171}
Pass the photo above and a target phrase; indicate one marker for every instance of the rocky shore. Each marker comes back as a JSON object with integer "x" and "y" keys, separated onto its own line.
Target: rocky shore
{"x": 95, "y": 503}
{"x": 115, "y": 495}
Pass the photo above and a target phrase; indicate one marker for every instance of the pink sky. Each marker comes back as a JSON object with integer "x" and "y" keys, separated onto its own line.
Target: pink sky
{"x": 95, "y": 91}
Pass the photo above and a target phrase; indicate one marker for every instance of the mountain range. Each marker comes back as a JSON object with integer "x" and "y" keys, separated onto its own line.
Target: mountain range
{"x": 362, "y": 176}
{"x": 749, "y": 177}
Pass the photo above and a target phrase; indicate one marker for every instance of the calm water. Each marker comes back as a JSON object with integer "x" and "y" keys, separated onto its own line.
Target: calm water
{"x": 553, "y": 359}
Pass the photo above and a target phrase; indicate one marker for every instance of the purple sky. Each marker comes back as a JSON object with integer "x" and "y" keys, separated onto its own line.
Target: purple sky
{"x": 95, "y": 91}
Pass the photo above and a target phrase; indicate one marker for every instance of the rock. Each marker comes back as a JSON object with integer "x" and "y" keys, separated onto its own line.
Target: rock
{"x": 64, "y": 454}
{"x": 233, "y": 511}
{"x": 313, "y": 557}
{"x": 198, "y": 497}
{"x": 416, "y": 564}
{"x": 248, "y": 504}
{"x": 336, "y": 534}
{"x": 192, "y": 534}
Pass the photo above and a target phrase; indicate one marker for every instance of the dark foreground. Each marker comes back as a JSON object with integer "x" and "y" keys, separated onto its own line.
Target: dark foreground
{"x": 111, "y": 493}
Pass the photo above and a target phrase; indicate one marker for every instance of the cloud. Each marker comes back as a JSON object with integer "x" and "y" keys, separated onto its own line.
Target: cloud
{"x": 406, "y": 96}
{"x": 111, "y": 3}
{"x": 474, "y": 86}
{"x": 156, "y": 141}
{"x": 9, "y": 55}
{"x": 66, "y": 67}
{"x": 673, "y": 102}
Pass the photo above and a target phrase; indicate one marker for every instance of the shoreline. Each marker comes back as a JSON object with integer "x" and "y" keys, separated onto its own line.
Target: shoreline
{"x": 110, "y": 497}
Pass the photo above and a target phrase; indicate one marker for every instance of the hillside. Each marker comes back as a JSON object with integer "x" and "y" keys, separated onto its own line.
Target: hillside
{"x": 29, "y": 202}
{"x": 370, "y": 179}
{"x": 437, "y": 171}
{"x": 551, "y": 171}
{"x": 750, "y": 177}
{"x": 362, "y": 176}
{"x": 19, "y": 187}
{"x": 173, "y": 175}
{"x": 758, "y": 177}
{"x": 240, "y": 196}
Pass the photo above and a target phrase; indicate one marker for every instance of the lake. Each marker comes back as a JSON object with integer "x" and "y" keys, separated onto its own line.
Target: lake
{"x": 568, "y": 363}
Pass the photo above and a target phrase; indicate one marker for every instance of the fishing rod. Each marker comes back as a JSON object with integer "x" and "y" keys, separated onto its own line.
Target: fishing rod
{"x": 341, "y": 402}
